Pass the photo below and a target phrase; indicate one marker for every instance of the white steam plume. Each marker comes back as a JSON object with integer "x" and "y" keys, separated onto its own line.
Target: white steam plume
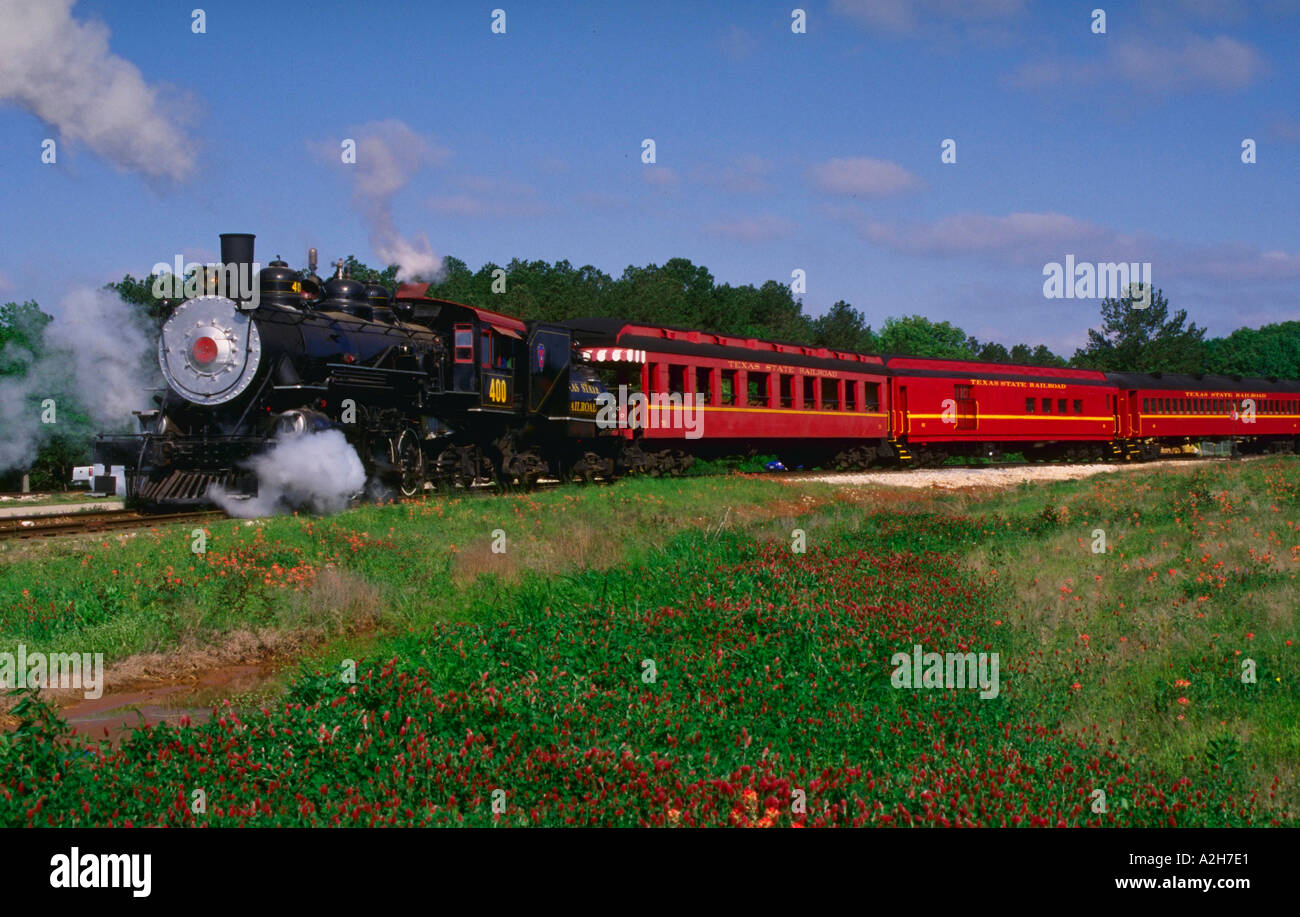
{"x": 61, "y": 70}
{"x": 319, "y": 472}
{"x": 97, "y": 358}
{"x": 389, "y": 154}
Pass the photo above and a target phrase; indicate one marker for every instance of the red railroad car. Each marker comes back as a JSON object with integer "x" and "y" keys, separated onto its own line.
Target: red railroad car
{"x": 966, "y": 407}
{"x": 1171, "y": 410}
{"x": 807, "y": 404}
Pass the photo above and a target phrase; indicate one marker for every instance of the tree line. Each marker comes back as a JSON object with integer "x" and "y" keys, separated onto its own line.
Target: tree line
{"x": 683, "y": 294}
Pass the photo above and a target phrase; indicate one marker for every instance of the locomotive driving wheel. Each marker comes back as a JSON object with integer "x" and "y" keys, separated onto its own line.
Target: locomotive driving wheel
{"x": 408, "y": 461}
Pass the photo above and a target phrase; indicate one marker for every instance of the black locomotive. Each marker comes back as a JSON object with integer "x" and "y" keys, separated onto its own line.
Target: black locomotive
{"x": 428, "y": 392}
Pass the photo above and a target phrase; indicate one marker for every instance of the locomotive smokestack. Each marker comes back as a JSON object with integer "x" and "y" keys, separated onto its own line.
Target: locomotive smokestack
{"x": 311, "y": 261}
{"x": 237, "y": 248}
{"x": 237, "y": 251}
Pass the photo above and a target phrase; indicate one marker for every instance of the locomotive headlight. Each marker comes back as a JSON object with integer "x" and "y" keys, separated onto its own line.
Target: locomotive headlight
{"x": 204, "y": 351}
{"x": 210, "y": 347}
{"x": 209, "y": 350}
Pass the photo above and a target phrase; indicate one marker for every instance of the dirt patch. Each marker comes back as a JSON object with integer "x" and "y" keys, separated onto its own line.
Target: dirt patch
{"x": 958, "y": 478}
{"x": 239, "y": 648}
{"x": 118, "y": 711}
{"x": 775, "y": 509}
{"x": 995, "y": 476}
{"x": 185, "y": 682}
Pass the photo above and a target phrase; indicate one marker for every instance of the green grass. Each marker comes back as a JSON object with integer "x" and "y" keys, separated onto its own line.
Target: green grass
{"x": 1111, "y": 645}
{"x": 397, "y": 567}
{"x": 1199, "y": 575}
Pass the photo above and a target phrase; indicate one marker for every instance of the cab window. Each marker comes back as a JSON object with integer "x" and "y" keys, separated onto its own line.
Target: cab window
{"x": 464, "y": 343}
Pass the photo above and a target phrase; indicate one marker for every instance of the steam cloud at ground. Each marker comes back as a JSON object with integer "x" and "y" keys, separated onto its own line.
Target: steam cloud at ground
{"x": 98, "y": 359}
{"x": 319, "y": 472}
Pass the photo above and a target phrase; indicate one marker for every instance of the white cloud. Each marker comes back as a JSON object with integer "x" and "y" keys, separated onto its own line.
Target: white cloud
{"x": 1177, "y": 12}
{"x": 744, "y": 174}
{"x": 1232, "y": 262}
{"x": 907, "y": 15}
{"x": 756, "y": 229}
{"x": 660, "y": 176}
{"x": 61, "y": 70}
{"x": 860, "y": 175}
{"x": 598, "y": 200}
{"x": 1034, "y": 239}
{"x": 737, "y": 44}
{"x": 489, "y": 197}
{"x": 1219, "y": 63}
{"x": 1021, "y": 235}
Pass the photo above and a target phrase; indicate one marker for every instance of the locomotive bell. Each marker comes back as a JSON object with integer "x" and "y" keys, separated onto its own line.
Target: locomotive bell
{"x": 311, "y": 284}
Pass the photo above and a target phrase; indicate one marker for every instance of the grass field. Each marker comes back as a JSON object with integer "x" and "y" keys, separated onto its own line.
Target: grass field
{"x": 658, "y": 653}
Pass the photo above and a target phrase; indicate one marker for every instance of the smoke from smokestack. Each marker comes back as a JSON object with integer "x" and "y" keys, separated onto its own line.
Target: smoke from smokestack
{"x": 388, "y": 155}
{"x": 61, "y": 70}
{"x": 319, "y": 472}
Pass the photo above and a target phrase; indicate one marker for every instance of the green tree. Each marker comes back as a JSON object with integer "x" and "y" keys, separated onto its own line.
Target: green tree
{"x": 360, "y": 271}
{"x": 1042, "y": 356}
{"x": 23, "y": 353}
{"x": 1133, "y": 339}
{"x": 141, "y": 293}
{"x": 994, "y": 352}
{"x": 769, "y": 311}
{"x": 1272, "y": 350}
{"x": 914, "y": 335}
{"x": 455, "y": 283}
{"x": 22, "y": 334}
{"x": 844, "y": 328}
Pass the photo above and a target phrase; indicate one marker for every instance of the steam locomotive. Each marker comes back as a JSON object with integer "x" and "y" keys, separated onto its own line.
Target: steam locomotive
{"x": 428, "y": 392}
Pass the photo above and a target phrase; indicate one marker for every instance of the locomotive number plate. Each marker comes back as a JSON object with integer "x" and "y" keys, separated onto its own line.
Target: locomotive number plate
{"x": 496, "y": 390}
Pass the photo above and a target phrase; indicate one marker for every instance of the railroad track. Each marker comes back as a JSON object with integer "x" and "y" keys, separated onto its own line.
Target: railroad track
{"x": 19, "y": 527}
{"x": 93, "y": 522}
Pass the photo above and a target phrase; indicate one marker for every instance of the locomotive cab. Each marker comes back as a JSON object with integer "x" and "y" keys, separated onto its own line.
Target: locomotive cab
{"x": 490, "y": 368}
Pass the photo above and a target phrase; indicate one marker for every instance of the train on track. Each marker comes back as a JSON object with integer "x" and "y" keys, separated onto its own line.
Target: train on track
{"x": 436, "y": 394}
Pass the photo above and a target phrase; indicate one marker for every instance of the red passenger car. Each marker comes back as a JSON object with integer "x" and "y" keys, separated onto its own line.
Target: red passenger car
{"x": 958, "y": 407}
{"x": 810, "y": 405}
{"x": 1245, "y": 414}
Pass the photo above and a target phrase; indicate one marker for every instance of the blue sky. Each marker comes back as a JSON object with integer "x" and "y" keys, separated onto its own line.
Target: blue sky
{"x": 775, "y": 150}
